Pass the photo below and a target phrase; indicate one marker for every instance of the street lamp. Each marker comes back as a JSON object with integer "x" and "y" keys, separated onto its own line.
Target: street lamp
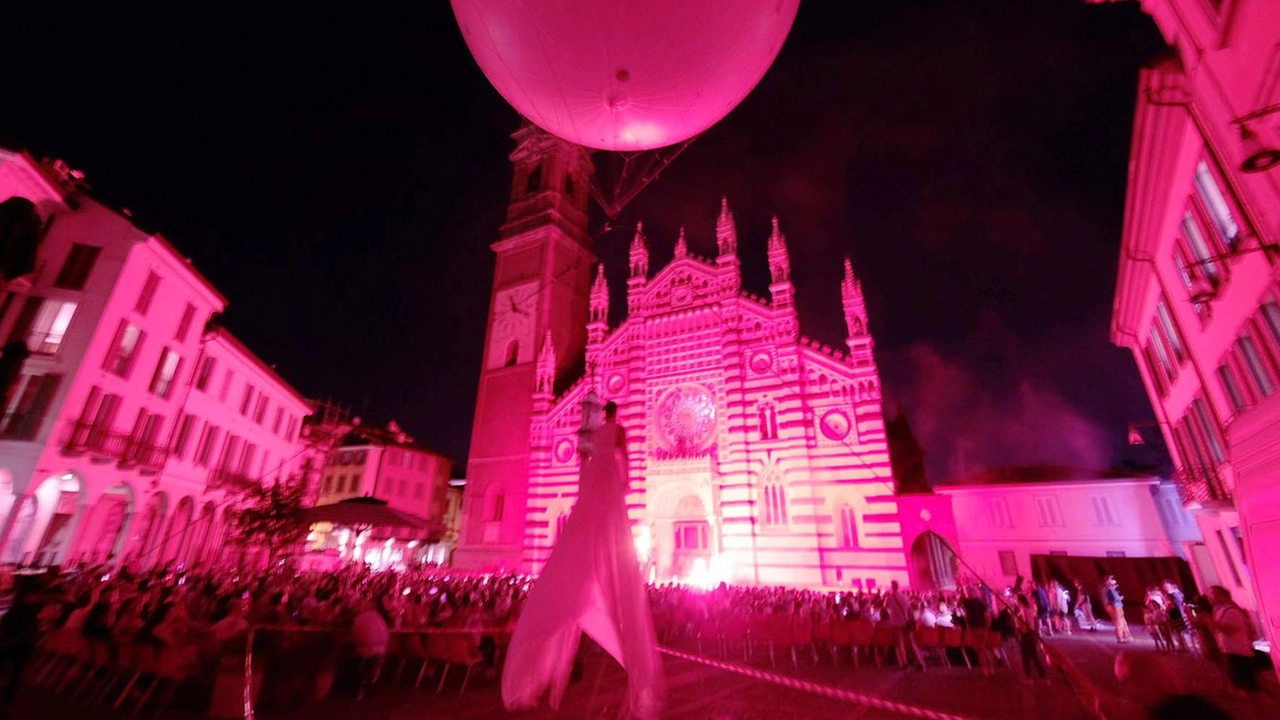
{"x": 1258, "y": 157}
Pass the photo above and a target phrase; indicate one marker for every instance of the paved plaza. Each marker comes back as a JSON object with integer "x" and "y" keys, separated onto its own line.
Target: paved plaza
{"x": 702, "y": 692}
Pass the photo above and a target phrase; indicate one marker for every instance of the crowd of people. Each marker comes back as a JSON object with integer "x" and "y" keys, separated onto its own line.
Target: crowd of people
{"x": 201, "y": 616}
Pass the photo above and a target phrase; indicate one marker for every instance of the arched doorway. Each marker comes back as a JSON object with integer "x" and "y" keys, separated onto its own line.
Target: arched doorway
{"x": 932, "y": 563}
{"x": 15, "y": 548}
{"x": 691, "y": 541}
{"x": 149, "y": 530}
{"x": 61, "y": 501}
{"x": 203, "y": 531}
{"x": 179, "y": 532}
{"x": 106, "y": 528}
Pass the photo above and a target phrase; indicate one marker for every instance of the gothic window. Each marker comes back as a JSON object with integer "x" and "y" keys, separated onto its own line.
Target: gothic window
{"x": 768, "y": 418}
{"x": 568, "y": 185}
{"x": 561, "y": 520}
{"x": 848, "y": 527}
{"x": 775, "y": 502}
{"x": 513, "y": 353}
{"x": 497, "y": 506}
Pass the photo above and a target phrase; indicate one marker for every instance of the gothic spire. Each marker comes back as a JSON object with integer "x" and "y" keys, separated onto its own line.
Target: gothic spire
{"x": 726, "y": 231}
{"x": 546, "y": 370}
{"x": 779, "y": 263}
{"x": 599, "y": 296}
{"x": 639, "y": 254}
{"x": 682, "y": 246}
{"x": 855, "y": 307}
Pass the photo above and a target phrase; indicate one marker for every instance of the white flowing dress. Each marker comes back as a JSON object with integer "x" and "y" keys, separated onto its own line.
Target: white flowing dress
{"x": 592, "y": 584}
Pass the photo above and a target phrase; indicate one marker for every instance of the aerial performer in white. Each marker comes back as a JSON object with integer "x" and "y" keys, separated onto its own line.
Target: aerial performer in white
{"x": 592, "y": 584}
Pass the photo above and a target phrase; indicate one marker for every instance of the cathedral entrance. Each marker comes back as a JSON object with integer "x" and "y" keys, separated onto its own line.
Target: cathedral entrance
{"x": 691, "y": 553}
{"x": 932, "y": 563}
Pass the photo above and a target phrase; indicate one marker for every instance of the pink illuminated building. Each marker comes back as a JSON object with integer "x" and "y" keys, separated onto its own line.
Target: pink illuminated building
{"x": 134, "y": 420}
{"x": 757, "y": 455}
{"x": 1197, "y": 300}
{"x": 386, "y": 464}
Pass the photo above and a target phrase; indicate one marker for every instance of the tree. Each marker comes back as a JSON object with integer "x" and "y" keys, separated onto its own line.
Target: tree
{"x": 273, "y": 516}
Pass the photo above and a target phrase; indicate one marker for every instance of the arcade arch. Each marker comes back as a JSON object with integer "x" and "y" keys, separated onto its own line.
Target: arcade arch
{"x": 933, "y": 563}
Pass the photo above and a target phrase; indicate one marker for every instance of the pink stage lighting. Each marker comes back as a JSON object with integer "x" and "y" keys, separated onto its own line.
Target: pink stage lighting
{"x": 628, "y": 74}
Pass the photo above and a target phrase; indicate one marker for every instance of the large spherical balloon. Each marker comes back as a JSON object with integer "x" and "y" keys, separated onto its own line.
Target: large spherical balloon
{"x": 624, "y": 74}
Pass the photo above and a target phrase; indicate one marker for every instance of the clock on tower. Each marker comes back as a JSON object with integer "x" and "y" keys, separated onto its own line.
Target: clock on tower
{"x": 541, "y": 283}
{"x": 512, "y": 335}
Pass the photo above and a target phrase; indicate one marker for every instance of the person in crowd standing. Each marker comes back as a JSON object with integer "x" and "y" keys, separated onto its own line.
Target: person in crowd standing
{"x": 1235, "y": 634}
{"x": 370, "y": 635}
{"x": 1084, "y": 608}
{"x": 1113, "y": 601}
{"x": 19, "y": 635}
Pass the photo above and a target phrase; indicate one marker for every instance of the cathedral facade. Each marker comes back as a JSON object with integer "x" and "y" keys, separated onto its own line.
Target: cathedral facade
{"x": 757, "y": 455}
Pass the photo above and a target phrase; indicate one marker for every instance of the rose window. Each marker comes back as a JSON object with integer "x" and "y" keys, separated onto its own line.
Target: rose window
{"x": 686, "y": 418}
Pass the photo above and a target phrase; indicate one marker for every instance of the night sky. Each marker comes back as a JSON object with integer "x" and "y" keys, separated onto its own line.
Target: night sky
{"x": 340, "y": 177}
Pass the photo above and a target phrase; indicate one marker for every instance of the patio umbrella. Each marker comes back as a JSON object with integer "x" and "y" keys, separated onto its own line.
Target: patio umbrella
{"x": 368, "y": 512}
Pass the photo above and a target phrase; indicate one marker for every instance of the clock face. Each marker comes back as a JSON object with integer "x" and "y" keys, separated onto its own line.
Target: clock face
{"x": 512, "y": 334}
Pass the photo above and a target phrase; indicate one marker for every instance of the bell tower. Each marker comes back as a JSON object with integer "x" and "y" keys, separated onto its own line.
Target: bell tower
{"x": 541, "y": 287}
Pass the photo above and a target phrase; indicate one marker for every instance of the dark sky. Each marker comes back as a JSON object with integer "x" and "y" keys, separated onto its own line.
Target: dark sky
{"x": 339, "y": 178}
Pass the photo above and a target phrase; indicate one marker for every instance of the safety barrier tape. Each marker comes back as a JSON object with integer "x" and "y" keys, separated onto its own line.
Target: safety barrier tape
{"x": 814, "y": 688}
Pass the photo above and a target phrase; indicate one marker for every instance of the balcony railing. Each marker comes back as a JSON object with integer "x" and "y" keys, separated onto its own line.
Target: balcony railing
{"x": 20, "y": 426}
{"x": 230, "y": 480}
{"x": 107, "y": 444}
{"x": 1202, "y": 486}
{"x": 147, "y": 457}
{"x": 99, "y": 440}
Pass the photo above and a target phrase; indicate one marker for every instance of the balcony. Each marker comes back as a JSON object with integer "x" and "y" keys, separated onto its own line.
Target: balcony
{"x": 20, "y": 426}
{"x": 147, "y": 457}
{"x": 107, "y": 445}
{"x": 230, "y": 480}
{"x": 99, "y": 441}
{"x": 1202, "y": 487}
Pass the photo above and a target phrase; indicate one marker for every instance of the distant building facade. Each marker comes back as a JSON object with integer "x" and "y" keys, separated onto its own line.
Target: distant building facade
{"x": 131, "y": 419}
{"x": 1197, "y": 299}
{"x": 384, "y": 463}
{"x": 758, "y": 455}
{"x": 1004, "y": 516}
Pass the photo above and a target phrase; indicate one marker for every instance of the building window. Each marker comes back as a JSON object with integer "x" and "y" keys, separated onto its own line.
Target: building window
{"x": 1200, "y": 250}
{"x": 246, "y": 461}
{"x": 1050, "y": 514}
{"x": 230, "y": 452}
{"x": 1158, "y": 380}
{"x": 260, "y": 411}
{"x": 205, "y": 374}
{"x": 184, "y": 325}
{"x": 148, "y": 293}
{"x": 208, "y": 439}
{"x": 166, "y": 370}
{"x": 145, "y": 430}
{"x": 998, "y": 512}
{"x": 513, "y": 353}
{"x": 328, "y": 483}
{"x": 1103, "y": 513}
{"x": 96, "y": 419}
{"x": 1231, "y": 561}
{"x": 43, "y": 324}
{"x": 1162, "y": 352}
{"x": 1115, "y": 553}
{"x": 1171, "y": 332}
{"x": 184, "y": 435}
{"x": 246, "y": 400}
{"x": 1215, "y": 204}
{"x": 1271, "y": 320}
{"x": 275, "y": 426}
{"x": 1209, "y": 428}
{"x": 35, "y": 394}
{"x": 533, "y": 180}
{"x": 768, "y": 421}
{"x": 226, "y": 386}
{"x": 124, "y": 349}
{"x": 291, "y": 432}
{"x": 848, "y": 528}
{"x": 1008, "y": 562}
{"x": 497, "y": 507}
{"x": 1230, "y": 387}
{"x": 76, "y": 268}
{"x": 1258, "y": 370}
{"x": 775, "y": 503}
{"x": 418, "y": 491}
{"x": 342, "y": 484}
